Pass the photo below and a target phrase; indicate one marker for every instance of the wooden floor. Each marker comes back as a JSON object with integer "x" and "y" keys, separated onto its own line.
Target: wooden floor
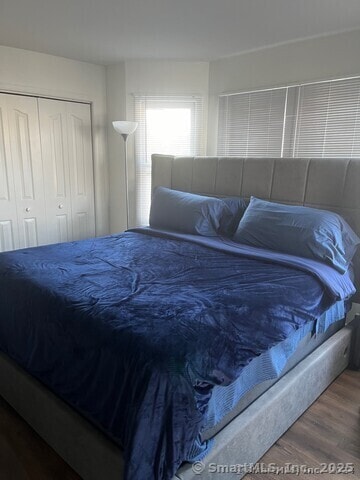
{"x": 328, "y": 432}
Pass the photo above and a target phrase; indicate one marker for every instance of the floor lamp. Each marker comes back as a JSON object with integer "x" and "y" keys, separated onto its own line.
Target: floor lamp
{"x": 125, "y": 129}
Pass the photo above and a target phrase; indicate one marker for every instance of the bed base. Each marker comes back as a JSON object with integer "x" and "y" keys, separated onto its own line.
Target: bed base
{"x": 93, "y": 456}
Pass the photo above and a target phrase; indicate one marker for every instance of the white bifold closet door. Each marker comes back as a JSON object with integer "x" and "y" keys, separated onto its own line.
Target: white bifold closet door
{"x": 22, "y": 201}
{"x": 46, "y": 172}
{"x": 8, "y": 211}
{"x": 68, "y": 169}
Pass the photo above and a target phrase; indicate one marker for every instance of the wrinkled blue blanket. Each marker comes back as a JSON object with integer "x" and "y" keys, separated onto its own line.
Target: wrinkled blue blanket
{"x": 133, "y": 330}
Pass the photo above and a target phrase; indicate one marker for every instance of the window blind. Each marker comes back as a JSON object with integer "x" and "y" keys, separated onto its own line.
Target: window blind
{"x": 251, "y": 124}
{"x": 309, "y": 120}
{"x": 328, "y": 119}
{"x": 167, "y": 124}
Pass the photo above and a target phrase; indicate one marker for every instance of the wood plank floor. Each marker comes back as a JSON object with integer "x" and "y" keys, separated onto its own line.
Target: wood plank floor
{"x": 328, "y": 432}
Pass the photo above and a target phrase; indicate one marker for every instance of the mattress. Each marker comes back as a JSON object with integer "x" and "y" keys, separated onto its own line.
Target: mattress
{"x": 134, "y": 330}
{"x": 228, "y": 402}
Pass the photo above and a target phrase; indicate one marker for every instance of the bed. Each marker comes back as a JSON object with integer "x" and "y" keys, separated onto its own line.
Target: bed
{"x": 258, "y": 409}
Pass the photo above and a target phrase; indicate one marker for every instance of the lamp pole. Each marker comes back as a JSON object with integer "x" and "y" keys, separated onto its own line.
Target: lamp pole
{"x": 125, "y": 128}
{"x": 125, "y": 137}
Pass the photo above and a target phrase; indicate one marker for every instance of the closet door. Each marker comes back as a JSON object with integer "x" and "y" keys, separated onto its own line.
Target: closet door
{"x": 68, "y": 169}
{"x": 9, "y": 231}
{"x": 27, "y": 167}
{"x": 54, "y": 145}
{"x": 81, "y": 169}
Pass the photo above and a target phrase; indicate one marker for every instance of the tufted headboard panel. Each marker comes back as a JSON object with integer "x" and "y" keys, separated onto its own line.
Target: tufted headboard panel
{"x": 326, "y": 183}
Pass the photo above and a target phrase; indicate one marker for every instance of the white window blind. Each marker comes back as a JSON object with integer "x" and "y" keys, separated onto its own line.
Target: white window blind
{"x": 251, "y": 124}
{"x": 167, "y": 124}
{"x": 308, "y": 120}
{"x": 328, "y": 119}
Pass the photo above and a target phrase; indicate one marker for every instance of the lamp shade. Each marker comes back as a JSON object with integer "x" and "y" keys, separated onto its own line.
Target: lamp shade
{"x": 124, "y": 127}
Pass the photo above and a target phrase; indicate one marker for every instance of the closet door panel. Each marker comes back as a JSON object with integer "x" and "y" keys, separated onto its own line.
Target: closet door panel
{"x": 81, "y": 170}
{"x": 9, "y": 235}
{"x": 27, "y": 166}
{"x": 46, "y": 172}
{"x": 54, "y": 144}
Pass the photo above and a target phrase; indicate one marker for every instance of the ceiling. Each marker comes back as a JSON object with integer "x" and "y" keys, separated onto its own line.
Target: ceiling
{"x": 106, "y": 31}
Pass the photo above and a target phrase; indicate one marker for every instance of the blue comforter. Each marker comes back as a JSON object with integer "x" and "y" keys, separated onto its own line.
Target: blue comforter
{"x": 134, "y": 330}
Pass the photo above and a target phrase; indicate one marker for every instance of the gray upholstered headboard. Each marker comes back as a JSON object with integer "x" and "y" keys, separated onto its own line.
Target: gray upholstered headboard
{"x": 327, "y": 183}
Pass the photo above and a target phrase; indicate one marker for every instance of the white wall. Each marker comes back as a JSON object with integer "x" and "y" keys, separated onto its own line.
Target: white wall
{"x": 316, "y": 59}
{"x": 143, "y": 77}
{"x": 23, "y": 71}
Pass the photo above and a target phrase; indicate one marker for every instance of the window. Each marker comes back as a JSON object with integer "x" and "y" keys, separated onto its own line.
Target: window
{"x": 309, "y": 120}
{"x": 328, "y": 120}
{"x": 170, "y": 125}
{"x": 251, "y": 124}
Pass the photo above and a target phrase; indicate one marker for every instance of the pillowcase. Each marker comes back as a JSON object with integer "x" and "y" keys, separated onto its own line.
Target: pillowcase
{"x": 296, "y": 230}
{"x": 230, "y": 221}
{"x": 186, "y": 212}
